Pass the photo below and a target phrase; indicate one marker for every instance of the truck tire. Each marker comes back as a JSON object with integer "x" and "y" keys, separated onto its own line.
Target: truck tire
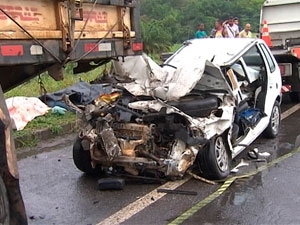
{"x": 4, "y": 204}
{"x": 273, "y": 127}
{"x": 295, "y": 96}
{"x": 82, "y": 159}
{"x": 215, "y": 159}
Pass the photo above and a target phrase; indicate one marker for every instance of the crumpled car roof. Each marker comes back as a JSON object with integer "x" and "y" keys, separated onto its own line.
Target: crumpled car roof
{"x": 217, "y": 50}
{"x": 182, "y": 71}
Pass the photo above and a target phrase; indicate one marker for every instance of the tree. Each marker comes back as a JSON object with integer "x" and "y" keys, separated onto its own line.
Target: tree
{"x": 165, "y": 22}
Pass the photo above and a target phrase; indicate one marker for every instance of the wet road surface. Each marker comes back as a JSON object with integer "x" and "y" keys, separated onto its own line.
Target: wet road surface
{"x": 269, "y": 197}
{"x": 55, "y": 192}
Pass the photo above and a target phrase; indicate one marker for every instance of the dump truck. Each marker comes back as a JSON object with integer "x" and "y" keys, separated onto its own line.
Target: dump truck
{"x": 39, "y": 36}
{"x": 283, "y": 21}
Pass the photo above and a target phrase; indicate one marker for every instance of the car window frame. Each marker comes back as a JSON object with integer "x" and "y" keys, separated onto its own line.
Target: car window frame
{"x": 268, "y": 57}
{"x": 256, "y": 67}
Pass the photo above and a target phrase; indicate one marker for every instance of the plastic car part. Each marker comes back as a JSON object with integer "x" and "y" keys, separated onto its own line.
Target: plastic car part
{"x": 111, "y": 184}
{"x": 197, "y": 106}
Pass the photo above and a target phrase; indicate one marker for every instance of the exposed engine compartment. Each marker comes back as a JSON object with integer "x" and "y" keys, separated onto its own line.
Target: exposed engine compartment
{"x": 140, "y": 140}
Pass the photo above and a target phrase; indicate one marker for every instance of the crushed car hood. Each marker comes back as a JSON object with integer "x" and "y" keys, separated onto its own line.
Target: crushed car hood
{"x": 166, "y": 82}
{"x": 183, "y": 70}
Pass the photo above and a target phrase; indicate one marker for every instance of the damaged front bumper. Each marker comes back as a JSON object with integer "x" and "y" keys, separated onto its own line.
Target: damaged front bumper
{"x": 134, "y": 148}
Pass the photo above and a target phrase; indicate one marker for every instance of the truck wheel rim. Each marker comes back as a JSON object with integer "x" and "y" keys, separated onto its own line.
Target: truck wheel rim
{"x": 275, "y": 120}
{"x": 221, "y": 154}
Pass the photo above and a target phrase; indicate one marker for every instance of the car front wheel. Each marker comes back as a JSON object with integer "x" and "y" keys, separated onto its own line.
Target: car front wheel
{"x": 273, "y": 127}
{"x": 82, "y": 159}
{"x": 4, "y": 204}
{"x": 215, "y": 159}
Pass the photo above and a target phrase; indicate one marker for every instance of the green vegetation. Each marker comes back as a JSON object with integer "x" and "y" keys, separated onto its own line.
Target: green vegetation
{"x": 28, "y": 136}
{"x": 167, "y": 22}
{"x": 51, "y": 121}
{"x": 32, "y": 87}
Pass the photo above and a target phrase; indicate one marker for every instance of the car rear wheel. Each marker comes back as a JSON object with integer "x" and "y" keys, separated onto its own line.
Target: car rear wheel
{"x": 215, "y": 159}
{"x": 273, "y": 128}
{"x": 82, "y": 159}
{"x": 4, "y": 204}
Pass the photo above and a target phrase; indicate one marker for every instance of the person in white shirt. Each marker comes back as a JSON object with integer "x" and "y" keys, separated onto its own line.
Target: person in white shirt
{"x": 236, "y": 22}
{"x": 232, "y": 28}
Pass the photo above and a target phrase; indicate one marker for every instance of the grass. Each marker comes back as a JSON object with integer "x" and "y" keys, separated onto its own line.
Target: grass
{"x": 53, "y": 122}
{"x": 32, "y": 88}
{"x": 50, "y": 121}
{"x": 28, "y": 137}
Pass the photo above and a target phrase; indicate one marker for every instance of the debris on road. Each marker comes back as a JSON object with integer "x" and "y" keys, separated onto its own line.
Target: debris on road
{"x": 180, "y": 192}
{"x": 241, "y": 164}
{"x": 111, "y": 184}
{"x": 200, "y": 178}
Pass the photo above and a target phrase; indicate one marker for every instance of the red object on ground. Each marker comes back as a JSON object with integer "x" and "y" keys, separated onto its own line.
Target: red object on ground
{"x": 286, "y": 88}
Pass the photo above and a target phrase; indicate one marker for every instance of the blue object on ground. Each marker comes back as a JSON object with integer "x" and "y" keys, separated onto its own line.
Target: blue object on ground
{"x": 80, "y": 93}
{"x": 58, "y": 110}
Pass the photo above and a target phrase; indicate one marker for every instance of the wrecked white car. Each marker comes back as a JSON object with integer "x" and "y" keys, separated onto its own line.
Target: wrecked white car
{"x": 201, "y": 108}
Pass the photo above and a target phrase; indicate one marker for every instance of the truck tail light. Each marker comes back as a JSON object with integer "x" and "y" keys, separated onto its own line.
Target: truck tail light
{"x": 282, "y": 69}
{"x": 137, "y": 46}
{"x": 285, "y": 69}
{"x": 12, "y": 50}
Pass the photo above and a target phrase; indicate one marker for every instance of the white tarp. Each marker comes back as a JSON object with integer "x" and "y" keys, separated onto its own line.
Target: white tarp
{"x": 24, "y": 109}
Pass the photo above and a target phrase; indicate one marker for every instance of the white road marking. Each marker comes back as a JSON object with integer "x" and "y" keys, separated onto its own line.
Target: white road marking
{"x": 290, "y": 111}
{"x": 153, "y": 196}
{"x": 140, "y": 204}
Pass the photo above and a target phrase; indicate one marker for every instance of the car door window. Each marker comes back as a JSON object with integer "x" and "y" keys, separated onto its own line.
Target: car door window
{"x": 239, "y": 71}
{"x": 255, "y": 65}
{"x": 269, "y": 59}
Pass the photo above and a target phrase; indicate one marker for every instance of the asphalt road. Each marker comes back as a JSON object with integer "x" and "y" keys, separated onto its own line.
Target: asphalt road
{"x": 55, "y": 192}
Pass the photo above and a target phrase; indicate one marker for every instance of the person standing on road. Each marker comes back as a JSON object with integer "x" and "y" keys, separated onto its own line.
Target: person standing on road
{"x": 236, "y": 22}
{"x": 219, "y": 31}
{"x": 246, "y": 33}
{"x": 201, "y": 33}
{"x": 231, "y": 27}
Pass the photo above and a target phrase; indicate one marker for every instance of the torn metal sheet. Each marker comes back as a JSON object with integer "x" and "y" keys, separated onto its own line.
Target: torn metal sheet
{"x": 153, "y": 80}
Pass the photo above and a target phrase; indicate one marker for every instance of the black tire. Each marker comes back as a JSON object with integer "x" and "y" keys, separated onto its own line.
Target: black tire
{"x": 295, "y": 96}
{"x": 274, "y": 124}
{"x": 4, "y": 205}
{"x": 215, "y": 159}
{"x": 82, "y": 159}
